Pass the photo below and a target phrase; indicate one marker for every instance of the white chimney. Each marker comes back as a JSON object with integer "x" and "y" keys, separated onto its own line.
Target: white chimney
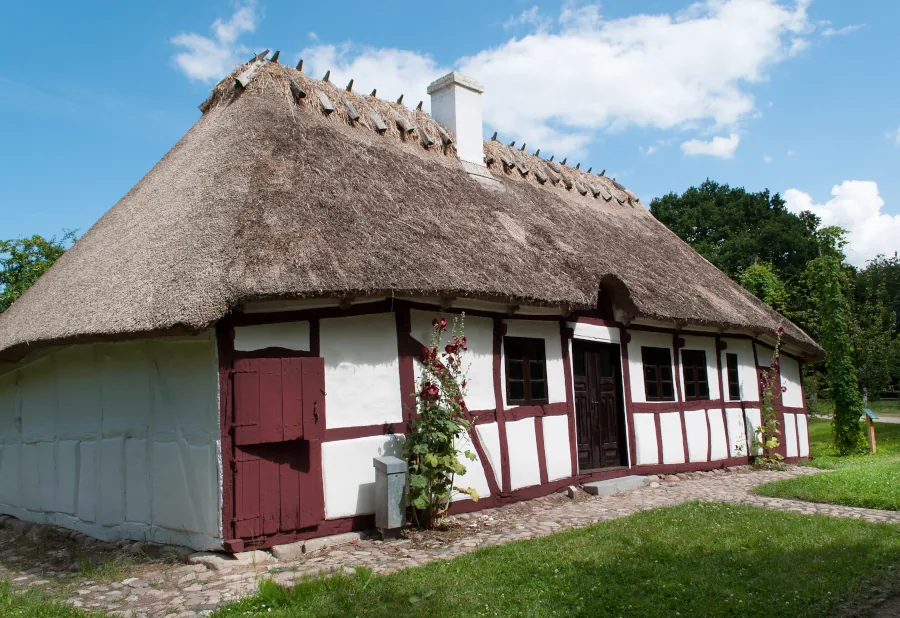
{"x": 456, "y": 104}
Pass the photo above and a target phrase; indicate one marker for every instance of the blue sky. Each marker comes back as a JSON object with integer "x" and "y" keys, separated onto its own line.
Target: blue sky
{"x": 797, "y": 97}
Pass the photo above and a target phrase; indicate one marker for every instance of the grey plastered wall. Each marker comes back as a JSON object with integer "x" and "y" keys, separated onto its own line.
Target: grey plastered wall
{"x": 118, "y": 440}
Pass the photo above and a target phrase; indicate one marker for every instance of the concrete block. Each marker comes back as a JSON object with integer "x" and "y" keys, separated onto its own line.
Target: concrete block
{"x": 219, "y": 561}
{"x": 331, "y": 541}
{"x": 288, "y": 551}
{"x": 614, "y": 486}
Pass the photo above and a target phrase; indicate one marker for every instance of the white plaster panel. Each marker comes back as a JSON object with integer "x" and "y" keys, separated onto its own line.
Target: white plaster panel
{"x": 88, "y": 476}
{"x": 672, "y": 437}
{"x": 138, "y": 481}
{"x": 474, "y": 477}
{"x": 478, "y": 359}
{"x": 792, "y": 396}
{"x": 595, "y": 332}
{"x": 10, "y": 490}
{"x": 790, "y": 435}
{"x": 10, "y": 424}
{"x": 697, "y": 434}
{"x": 737, "y": 432}
{"x": 362, "y": 370}
{"x": 125, "y": 385}
{"x": 289, "y": 335}
{"x": 548, "y": 330}
{"x": 645, "y": 439}
{"x": 185, "y": 486}
{"x": 803, "y": 435}
{"x": 66, "y": 477}
{"x": 747, "y": 379}
{"x": 489, "y": 435}
{"x": 641, "y": 338}
{"x": 753, "y": 419}
{"x": 349, "y": 476}
{"x": 718, "y": 439}
{"x": 524, "y": 469}
{"x": 557, "y": 449}
{"x": 37, "y": 389}
{"x": 81, "y": 406}
{"x": 708, "y": 345}
{"x": 111, "y": 505}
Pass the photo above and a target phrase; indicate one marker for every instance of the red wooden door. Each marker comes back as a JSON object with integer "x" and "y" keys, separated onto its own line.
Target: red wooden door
{"x": 277, "y": 424}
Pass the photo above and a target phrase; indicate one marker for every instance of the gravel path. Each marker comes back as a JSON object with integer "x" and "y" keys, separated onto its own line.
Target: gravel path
{"x": 34, "y": 556}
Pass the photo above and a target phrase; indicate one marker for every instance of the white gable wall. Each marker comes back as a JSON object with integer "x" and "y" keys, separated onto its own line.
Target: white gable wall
{"x": 792, "y": 396}
{"x": 746, "y": 368}
{"x": 118, "y": 440}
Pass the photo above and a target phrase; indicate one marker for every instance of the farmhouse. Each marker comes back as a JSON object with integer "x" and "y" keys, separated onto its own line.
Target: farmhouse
{"x": 217, "y": 361}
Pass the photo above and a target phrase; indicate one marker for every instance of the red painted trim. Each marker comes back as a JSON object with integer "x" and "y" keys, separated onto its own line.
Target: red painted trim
{"x": 407, "y": 351}
{"x": 548, "y": 409}
{"x": 348, "y": 433}
{"x": 659, "y": 445}
{"x": 480, "y": 313}
{"x": 225, "y": 347}
{"x": 675, "y": 406}
{"x": 541, "y": 453}
{"x": 690, "y": 467}
{"x": 570, "y": 397}
{"x": 629, "y": 405}
{"x": 678, "y": 396}
{"x": 499, "y": 330}
{"x": 482, "y": 417}
{"x": 315, "y": 337}
{"x": 721, "y": 346}
{"x": 302, "y": 315}
{"x": 793, "y": 410}
{"x": 326, "y": 527}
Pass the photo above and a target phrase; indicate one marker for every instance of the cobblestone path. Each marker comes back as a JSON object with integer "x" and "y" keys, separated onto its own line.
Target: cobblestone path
{"x": 36, "y": 556}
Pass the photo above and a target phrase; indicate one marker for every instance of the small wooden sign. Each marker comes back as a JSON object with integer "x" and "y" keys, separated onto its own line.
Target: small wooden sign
{"x": 871, "y": 416}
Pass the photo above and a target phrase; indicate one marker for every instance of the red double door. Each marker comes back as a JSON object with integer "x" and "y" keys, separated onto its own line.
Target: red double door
{"x": 277, "y": 424}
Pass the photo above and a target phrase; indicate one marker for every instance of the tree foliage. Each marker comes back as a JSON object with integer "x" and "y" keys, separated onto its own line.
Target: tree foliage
{"x": 763, "y": 282}
{"x": 24, "y": 260}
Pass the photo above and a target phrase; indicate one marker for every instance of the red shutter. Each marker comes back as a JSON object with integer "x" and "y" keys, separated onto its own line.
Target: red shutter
{"x": 247, "y": 522}
{"x": 312, "y": 500}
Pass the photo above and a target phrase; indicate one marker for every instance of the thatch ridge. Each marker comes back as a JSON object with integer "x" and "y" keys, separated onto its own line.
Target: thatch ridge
{"x": 269, "y": 197}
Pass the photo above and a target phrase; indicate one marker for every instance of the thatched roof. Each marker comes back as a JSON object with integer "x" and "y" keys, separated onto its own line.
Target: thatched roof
{"x": 268, "y": 196}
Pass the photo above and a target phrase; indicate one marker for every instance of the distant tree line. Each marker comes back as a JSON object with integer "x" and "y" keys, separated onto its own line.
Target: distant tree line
{"x": 773, "y": 253}
{"x": 24, "y": 260}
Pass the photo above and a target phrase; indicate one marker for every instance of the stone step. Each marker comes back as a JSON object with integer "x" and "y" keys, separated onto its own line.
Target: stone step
{"x": 614, "y": 486}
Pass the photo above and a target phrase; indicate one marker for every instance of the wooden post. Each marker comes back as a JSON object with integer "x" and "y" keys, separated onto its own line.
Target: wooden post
{"x": 873, "y": 447}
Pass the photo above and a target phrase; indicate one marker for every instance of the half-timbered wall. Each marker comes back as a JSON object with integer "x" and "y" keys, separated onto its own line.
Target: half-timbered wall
{"x": 118, "y": 440}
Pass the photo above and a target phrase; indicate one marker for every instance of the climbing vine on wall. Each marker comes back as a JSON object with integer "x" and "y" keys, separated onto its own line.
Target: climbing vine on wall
{"x": 432, "y": 443}
{"x": 824, "y": 275}
{"x": 767, "y": 434}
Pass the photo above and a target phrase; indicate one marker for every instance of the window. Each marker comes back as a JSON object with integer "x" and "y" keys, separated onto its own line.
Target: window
{"x": 526, "y": 371}
{"x": 696, "y": 385}
{"x": 658, "y": 374}
{"x": 734, "y": 384}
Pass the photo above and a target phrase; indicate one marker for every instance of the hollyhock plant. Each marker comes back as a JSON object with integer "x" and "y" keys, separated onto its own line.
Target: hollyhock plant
{"x": 431, "y": 445}
{"x": 766, "y": 438}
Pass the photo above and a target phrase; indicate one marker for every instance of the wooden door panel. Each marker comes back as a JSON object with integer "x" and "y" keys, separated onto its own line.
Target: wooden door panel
{"x": 598, "y": 406}
{"x": 292, "y": 398}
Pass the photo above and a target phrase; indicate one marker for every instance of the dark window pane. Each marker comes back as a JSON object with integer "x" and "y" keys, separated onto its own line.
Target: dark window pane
{"x": 689, "y": 391}
{"x": 650, "y": 373}
{"x": 515, "y": 369}
{"x": 513, "y": 348}
{"x": 704, "y": 390}
{"x": 694, "y": 371}
{"x": 578, "y": 364}
{"x": 652, "y": 389}
{"x": 538, "y": 390}
{"x": 537, "y": 370}
{"x": 516, "y": 391}
{"x": 734, "y": 385}
{"x": 665, "y": 373}
{"x": 668, "y": 394}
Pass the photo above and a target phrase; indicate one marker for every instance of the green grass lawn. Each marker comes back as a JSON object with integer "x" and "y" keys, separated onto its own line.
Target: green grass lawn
{"x": 697, "y": 559}
{"x": 867, "y": 481}
{"x": 33, "y": 605}
{"x": 881, "y": 408}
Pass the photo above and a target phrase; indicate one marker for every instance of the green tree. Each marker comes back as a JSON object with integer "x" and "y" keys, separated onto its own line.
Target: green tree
{"x": 24, "y": 260}
{"x": 735, "y": 229}
{"x": 823, "y": 276}
{"x": 762, "y": 281}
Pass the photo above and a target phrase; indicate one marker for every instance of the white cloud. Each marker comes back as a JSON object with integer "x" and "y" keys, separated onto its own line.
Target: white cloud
{"x": 531, "y": 17}
{"x": 647, "y": 150}
{"x": 392, "y": 71}
{"x": 212, "y": 58}
{"x": 791, "y": 153}
{"x": 855, "y": 205}
{"x": 767, "y": 159}
{"x": 894, "y": 136}
{"x": 312, "y": 36}
{"x": 583, "y": 72}
{"x": 841, "y": 31}
{"x": 721, "y": 147}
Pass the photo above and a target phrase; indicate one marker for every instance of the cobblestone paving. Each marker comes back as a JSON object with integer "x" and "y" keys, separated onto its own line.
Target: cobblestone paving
{"x": 43, "y": 557}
